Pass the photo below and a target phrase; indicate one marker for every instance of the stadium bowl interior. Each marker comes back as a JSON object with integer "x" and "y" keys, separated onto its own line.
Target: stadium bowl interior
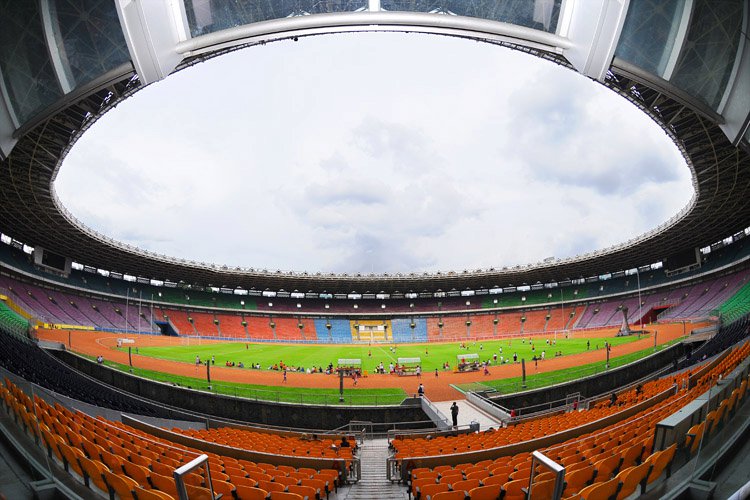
{"x": 671, "y": 424}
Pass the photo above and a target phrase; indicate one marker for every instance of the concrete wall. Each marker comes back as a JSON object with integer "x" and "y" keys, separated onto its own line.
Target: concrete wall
{"x": 596, "y": 384}
{"x": 258, "y": 412}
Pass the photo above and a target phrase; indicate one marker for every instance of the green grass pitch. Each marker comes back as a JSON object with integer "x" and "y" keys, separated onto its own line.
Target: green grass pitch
{"x": 432, "y": 355}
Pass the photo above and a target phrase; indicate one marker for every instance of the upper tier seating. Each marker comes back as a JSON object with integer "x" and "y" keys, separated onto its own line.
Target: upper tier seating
{"x": 454, "y": 327}
{"x": 204, "y": 324}
{"x": 340, "y": 330}
{"x": 12, "y": 322}
{"x": 230, "y": 325}
{"x": 287, "y": 329}
{"x": 403, "y": 332}
{"x": 704, "y": 298}
{"x": 737, "y": 306}
{"x": 259, "y": 327}
{"x": 180, "y": 320}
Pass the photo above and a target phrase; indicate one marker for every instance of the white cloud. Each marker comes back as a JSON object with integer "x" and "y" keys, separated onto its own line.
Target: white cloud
{"x": 374, "y": 152}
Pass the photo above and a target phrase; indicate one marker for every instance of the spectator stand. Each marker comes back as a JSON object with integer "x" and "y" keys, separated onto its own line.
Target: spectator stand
{"x": 468, "y": 363}
{"x": 349, "y": 468}
{"x": 408, "y": 366}
{"x": 349, "y": 367}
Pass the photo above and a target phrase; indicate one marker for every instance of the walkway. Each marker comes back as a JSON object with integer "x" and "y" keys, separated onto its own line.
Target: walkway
{"x": 373, "y": 483}
{"x": 467, "y": 413}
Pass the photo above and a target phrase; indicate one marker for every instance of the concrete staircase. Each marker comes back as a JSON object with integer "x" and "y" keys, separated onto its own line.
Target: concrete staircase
{"x": 373, "y": 483}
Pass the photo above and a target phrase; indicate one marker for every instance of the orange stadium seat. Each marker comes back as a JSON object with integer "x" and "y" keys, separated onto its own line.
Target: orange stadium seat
{"x": 251, "y": 493}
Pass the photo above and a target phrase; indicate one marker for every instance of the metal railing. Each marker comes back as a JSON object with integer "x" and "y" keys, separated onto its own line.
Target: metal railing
{"x": 432, "y": 411}
{"x": 356, "y": 428}
{"x": 195, "y": 463}
{"x": 539, "y": 458}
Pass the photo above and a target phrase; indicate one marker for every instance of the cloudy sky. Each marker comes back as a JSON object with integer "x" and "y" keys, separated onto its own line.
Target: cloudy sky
{"x": 375, "y": 152}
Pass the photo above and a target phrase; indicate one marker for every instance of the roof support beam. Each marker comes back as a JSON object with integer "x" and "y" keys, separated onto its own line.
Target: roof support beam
{"x": 594, "y": 29}
{"x": 151, "y": 32}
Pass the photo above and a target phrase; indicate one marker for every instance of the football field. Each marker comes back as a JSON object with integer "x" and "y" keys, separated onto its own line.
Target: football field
{"x": 432, "y": 355}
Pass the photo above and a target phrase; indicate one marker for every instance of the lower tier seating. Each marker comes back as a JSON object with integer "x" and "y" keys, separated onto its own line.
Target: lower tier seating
{"x": 117, "y": 460}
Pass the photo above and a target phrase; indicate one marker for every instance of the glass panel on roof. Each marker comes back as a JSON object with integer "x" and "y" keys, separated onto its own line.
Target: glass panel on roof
{"x": 538, "y": 14}
{"x": 27, "y": 71}
{"x": 89, "y": 38}
{"x": 649, "y": 33}
{"x": 710, "y": 49}
{"x": 208, "y": 16}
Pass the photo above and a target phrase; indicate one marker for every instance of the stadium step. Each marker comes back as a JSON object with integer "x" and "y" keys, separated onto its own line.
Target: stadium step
{"x": 373, "y": 483}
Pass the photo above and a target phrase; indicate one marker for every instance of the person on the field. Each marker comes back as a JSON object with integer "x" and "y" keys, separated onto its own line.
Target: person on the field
{"x": 420, "y": 390}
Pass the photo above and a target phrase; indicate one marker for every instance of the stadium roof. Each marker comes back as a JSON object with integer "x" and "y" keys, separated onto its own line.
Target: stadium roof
{"x": 709, "y": 126}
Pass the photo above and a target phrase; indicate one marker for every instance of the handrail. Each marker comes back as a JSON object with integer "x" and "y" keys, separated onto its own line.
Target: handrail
{"x": 434, "y": 432}
{"x": 559, "y": 470}
{"x": 432, "y": 411}
{"x": 184, "y": 469}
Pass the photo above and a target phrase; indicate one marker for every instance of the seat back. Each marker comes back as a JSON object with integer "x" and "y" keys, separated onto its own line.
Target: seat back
{"x": 250, "y": 493}
{"x": 542, "y": 490}
{"x": 122, "y": 485}
{"x": 430, "y": 490}
{"x": 600, "y": 491}
{"x": 449, "y": 495}
{"x": 630, "y": 478}
{"x": 489, "y": 492}
{"x": 661, "y": 460}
